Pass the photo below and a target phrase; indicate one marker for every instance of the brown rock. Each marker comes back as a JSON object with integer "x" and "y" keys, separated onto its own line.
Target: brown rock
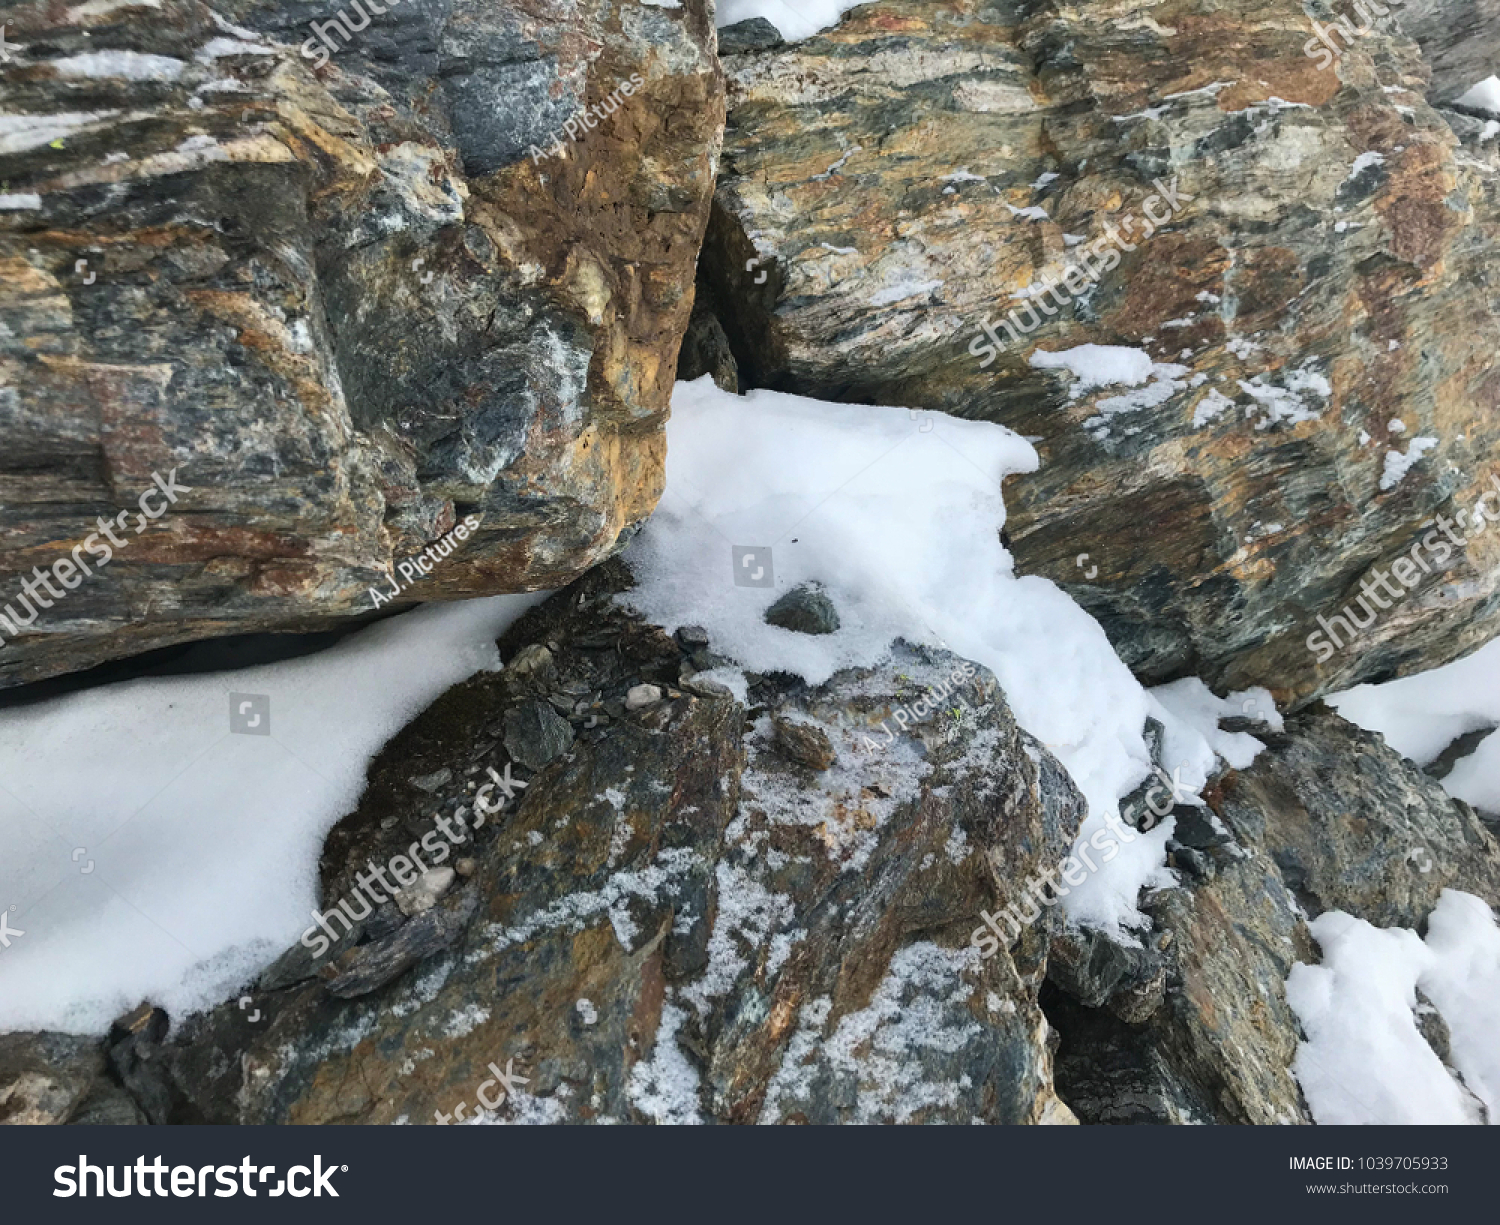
{"x": 347, "y": 306}
{"x": 1305, "y": 294}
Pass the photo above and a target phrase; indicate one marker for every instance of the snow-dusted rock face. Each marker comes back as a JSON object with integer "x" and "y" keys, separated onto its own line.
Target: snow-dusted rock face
{"x": 680, "y": 919}
{"x": 352, "y": 296}
{"x": 1280, "y": 259}
{"x": 756, "y": 900}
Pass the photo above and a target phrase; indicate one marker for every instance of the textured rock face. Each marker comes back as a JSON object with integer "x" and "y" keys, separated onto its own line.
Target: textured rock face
{"x": 351, "y": 306}
{"x": 1312, "y": 295}
{"x": 1458, "y": 39}
{"x": 760, "y": 909}
{"x": 1354, "y": 827}
{"x": 680, "y": 917}
{"x": 1326, "y": 818}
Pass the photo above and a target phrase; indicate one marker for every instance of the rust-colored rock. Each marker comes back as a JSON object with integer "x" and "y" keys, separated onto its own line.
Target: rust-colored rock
{"x": 1310, "y": 293}
{"x": 351, "y": 305}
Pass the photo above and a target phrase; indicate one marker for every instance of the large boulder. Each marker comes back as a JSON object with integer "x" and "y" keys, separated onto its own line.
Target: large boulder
{"x": 687, "y": 915}
{"x": 1312, "y": 378}
{"x": 359, "y": 301}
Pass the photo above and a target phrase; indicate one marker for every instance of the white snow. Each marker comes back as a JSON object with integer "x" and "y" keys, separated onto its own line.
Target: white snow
{"x": 793, "y": 19}
{"x": 897, "y": 513}
{"x": 1364, "y": 1060}
{"x": 1483, "y": 97}
{"x": 1210, "y": 408}
{"x": 223, "y": 48}
{"x": 1419, "y": 716}
{"x": 119, "y": 65}
{"x": 1098, "y": 365}
{"x": 665, "y": 1087}
{"x": 203, "y": 844}
{"x": 1398, "y": 465}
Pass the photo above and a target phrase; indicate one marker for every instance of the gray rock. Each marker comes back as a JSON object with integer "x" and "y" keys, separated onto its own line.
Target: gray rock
{"x": 803, "y": 742}
{"x": 1354, "y": 826}
{"x": 692, "y": 637}
{"x": 1458, "y": 38}
{"x": 423, "y": 896}
{"x": 434, "y": 782}
{"x": 1096, "y": 969}
{"x": 355, "y": 351}
{"x": 754, "y": 34}
{"x": 359, "y": 971}
{"x": 44, "y": 1076}
{"x": 135, "y": 1056}
{"x": 804, "y": 610}
{"x": 705, "y": 350}
{"x": 607, "y": 883}
{"x": 535, "y": 734}
{"x": 641, "y": 696}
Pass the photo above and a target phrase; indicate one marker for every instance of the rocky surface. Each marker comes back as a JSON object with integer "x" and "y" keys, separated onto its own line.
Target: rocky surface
{"x": 1313, "y": 295}
{"x": 679, "y": 918}
{"x": 1457, "y": 36}
{"x": 1353, "y": 826}
{"x": 713, "y": 908}
{"x": 1326, "y": 818}
{"x": 351, "y": 305}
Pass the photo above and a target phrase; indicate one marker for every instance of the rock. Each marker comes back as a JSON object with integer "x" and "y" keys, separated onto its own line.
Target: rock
{"x": 424, "y": 895}
{"x": 749, "y": 949}
{"x": 418, "y": 322}
{"x": 692, "y": 637}
{"x": 755, "y": 34}
{"x": 804, "y": 610}
{"x": 465, "y": 867}
{"x": 364, "y": 969}
{"x": 897, "y": 183}
{"x": 1458, "y": 39}
{"x": 135, "y": 1055}
{"x": 1354, "y": 826}
{"x": 705, "y": 350}
{"x": 1220, "y": 1046}
{"x": 44, "y": 1077}
{"x": 535, "y": 734}
{"x": 1442, "y": 765}
{"x": 107, "y": 1105}
{"x": 803, "y": 742}
{"x": 535, "y": 660}
{"x": 703, "y": 685}
{"x": 1096, "y": 969}
{"x": 641, "y": 696}
{"x": 433, "y": 782}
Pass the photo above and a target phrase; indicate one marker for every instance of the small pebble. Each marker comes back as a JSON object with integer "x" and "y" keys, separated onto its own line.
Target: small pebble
{"x": 642, "y": 695}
